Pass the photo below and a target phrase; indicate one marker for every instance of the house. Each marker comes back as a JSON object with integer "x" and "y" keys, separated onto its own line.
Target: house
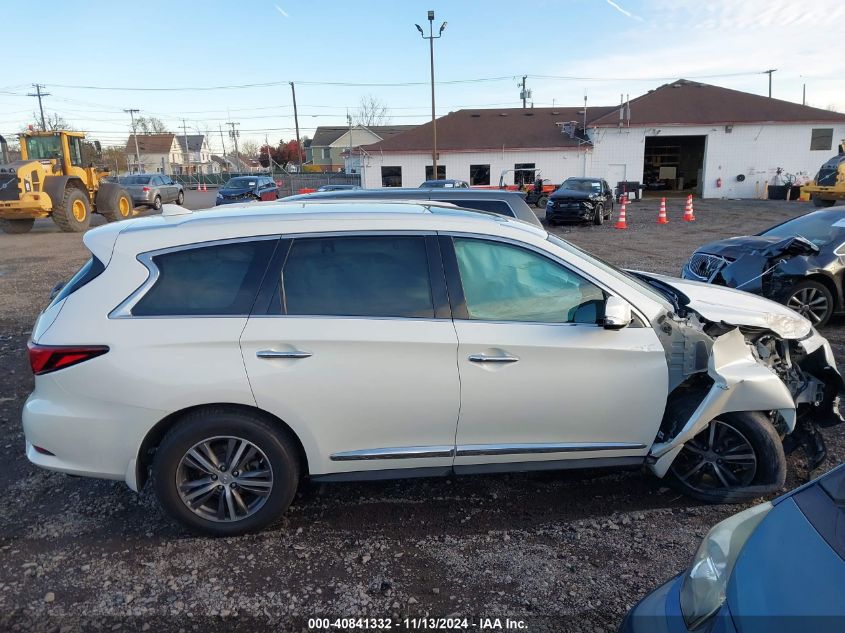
{"x": 330, "y": 146}
{"x": 198, "y": 157}
{"x": 159, "y": 153}
{"x": 683, "y": 136}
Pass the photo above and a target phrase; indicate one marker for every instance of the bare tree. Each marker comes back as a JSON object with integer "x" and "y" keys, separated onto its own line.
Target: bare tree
{"x": 249, "y": 149}
{"x": 53, "y": 121}
{"x": 150, "y": 125}
{"x": 372, "y": 111}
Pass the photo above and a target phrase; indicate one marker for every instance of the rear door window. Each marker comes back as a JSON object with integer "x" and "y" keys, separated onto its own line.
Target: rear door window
{"x": 357, "y": 276}
{"x": 214, "y": 280}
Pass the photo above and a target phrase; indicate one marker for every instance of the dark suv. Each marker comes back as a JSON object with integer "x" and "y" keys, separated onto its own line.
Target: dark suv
{"x": 245, "y": 188}
{"x": 580, "y": 200}
{"x": 508, "y": 203}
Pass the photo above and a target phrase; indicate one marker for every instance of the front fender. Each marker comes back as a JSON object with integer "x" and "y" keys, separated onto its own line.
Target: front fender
{"x": 740, "y": 383}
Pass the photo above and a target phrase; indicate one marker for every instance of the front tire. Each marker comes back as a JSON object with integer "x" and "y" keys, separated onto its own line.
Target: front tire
{"x": 812, "y": 300}
{"x": 16, "y": 227}
{"x": 736, "y": 458}
{"x": 225, "y": 472}
{"x": 821, "y": 202}
{"x": 598, "y": 215}
{"x": 73, "y": 214}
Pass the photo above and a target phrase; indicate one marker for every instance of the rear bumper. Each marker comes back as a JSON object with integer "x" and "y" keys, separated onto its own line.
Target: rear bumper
{"x": 88, "y": 437}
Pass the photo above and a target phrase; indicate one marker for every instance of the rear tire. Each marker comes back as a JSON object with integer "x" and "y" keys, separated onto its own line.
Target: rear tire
{"x": 174, "y": 478}
{"x": 116, "y": 205}
{"x": 744, "y": 461}
{"x": 157, "y": 203}
{"x": 541, "y": 202}
{"x": 73, "y": 213}
{"x": 821, "y": 202}
{"x": 16, "y": 227}
{"x": 180, "y": 198}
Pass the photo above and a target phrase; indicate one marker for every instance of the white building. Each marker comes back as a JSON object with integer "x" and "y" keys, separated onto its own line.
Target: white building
{"x": 166, "y": 153}
{"x": 683, "y": 136}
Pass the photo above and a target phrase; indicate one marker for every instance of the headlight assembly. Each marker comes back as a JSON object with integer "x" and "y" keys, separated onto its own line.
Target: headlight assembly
{"x": 703, "y": 590}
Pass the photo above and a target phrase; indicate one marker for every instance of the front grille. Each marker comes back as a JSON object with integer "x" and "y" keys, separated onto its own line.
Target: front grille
{"x": 567, "y": 204}
{"x": 9, "y": 187}
{"x": 704, "y": 266}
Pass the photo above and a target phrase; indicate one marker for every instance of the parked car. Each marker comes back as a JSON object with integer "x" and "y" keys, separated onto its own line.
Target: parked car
{"x": 228, "y": 354}
{"x": 799, "y": 263}
{"x": 445, "y": 184}
{"x": 153, "y": 190}
{"x": 247, "y": 188}
{"x": 580, "y": 200}
{"x": 777, "y": 567}
{"x": 508, "y": 203}
{"x": 338, "y": 187}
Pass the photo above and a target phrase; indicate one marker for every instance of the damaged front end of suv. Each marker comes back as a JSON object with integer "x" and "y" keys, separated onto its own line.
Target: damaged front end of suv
{"x": 729, "y": 354}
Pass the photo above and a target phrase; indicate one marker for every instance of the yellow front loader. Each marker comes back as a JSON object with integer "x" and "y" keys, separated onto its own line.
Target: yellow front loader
{"x": 829, "y": 185}
{"x": 52, "y": 180}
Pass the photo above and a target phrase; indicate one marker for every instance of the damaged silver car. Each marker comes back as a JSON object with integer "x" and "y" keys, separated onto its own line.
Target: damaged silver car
{"x": 748, "y": 381}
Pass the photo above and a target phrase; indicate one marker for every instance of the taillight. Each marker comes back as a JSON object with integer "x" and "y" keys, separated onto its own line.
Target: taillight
{"x": 46, "y": 358}
{"x": 145, "y": 188}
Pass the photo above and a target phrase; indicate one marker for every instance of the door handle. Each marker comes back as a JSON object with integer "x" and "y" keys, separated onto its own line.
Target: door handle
{"x": 483, "y": 358}
{"x": 271, "y": 353}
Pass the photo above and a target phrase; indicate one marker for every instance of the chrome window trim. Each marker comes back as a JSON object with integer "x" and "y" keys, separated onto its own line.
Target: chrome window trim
{"x": 124, "y": 309}
{"x": 561, "y": 262}
{"x": 839, "y": 251}
{"x": 474, "y": 450}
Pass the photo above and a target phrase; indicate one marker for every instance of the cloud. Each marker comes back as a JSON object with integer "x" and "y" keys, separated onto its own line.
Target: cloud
{"x": 282, "y": 11}
{"x": 623, "y": 11}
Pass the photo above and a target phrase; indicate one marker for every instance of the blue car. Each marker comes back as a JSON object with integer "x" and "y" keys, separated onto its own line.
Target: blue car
{"x": 778, "y": 567}
{"x": 247, "y": 189}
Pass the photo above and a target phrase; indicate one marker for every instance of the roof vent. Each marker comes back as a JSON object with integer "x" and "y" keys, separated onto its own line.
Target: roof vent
{"x": 174, "y": 209}
{"x": 503, "y": 114}
{"x": 528, "y": 113}
{"x": 555, "y": 112}
{"x": 475, "y": 115}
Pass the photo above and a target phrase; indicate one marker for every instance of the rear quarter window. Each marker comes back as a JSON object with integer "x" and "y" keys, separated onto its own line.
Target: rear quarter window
{"x": 217, "y": 280}
{"x": 89, "y": 271}
{"x": 499, "y": 207}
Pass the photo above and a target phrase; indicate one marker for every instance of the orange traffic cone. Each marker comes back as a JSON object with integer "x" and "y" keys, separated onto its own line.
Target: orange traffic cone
{"x": 661, "y": 217}
{"x": 622, "y": 221}
{"x": 204, "y": 188}
{"x": 689, "y": 214}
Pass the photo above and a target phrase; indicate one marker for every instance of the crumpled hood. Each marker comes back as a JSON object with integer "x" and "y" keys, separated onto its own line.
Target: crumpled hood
{"x": 735, "y": 307}
{"x": 734, "y": 247}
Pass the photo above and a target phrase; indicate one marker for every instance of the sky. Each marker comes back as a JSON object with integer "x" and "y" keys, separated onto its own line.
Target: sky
{"x": 89, "y": 54}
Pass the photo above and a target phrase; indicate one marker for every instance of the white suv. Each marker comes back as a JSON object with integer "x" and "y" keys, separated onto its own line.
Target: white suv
{"x": 229, "y": 354}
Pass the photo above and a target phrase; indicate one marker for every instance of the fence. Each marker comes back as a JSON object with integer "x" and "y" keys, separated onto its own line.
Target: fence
{"x": 288, "y": 183}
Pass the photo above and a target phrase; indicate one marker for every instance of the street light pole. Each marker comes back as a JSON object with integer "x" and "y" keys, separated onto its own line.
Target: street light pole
{"x": 431, "y": 37}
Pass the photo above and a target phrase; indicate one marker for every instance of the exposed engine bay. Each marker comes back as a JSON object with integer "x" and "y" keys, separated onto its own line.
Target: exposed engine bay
{"x": 776, "y": 358}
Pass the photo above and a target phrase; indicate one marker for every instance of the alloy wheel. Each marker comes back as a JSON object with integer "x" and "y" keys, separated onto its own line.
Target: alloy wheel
{"x": 719, "y": 457}
{"x": 224, "y": 479}
{"x": 810, "y": 303}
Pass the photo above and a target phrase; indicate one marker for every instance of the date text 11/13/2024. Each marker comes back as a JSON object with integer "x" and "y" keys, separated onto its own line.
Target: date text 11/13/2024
{"x": 417, "y": 624}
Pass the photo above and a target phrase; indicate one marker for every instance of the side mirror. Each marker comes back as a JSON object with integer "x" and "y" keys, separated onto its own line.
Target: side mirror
{"x": 617, "y": 314}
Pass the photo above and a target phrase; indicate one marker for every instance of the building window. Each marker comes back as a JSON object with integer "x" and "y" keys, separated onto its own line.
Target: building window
{"x": 391, "y": 176}
{"x": 821, "y": 138}
{"x": 523, "y": 174}
{"x": 327, "y": 152}
{"x": 479, "y": 174}
{"x": 441, "y": 172}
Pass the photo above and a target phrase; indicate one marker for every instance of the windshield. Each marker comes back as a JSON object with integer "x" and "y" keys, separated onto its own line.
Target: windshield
{"x": 618, "y": 273}
{"x": 820, "y": 228}
{"x": 43, "y": 147}
{"x": 240, "y": 183}
{"x": 587, "y": 186}
{"x": 135, "y": 180}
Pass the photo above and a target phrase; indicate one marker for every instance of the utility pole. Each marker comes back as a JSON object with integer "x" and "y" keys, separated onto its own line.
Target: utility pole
{"x": 40, "y": 94}
{"x": 349, "y": 121}
{"x": 233, "y": 134}
{"x": 769, "y": 73}
{"x": 431, "y": 37}
{"x": 132, "y": 112}
{"x": 804, "y": 95}
{"x": 296, "y": 124}
{"x": 524, "y": 94}
{"x": 187, "y": 149}
{"x": 269, "y": 155}
{"x": 223, "y": 143}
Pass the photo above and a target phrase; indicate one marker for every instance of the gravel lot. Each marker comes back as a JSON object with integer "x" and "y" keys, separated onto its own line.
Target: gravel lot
{"x": 563, "y": 551}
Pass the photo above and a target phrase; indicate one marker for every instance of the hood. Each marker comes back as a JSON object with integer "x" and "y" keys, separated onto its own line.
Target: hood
{"x": 734, "y": 247}
{"x": 234, "y": 191}
{"x": 571, "y": 194}
{"x": 735, "y": 307}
